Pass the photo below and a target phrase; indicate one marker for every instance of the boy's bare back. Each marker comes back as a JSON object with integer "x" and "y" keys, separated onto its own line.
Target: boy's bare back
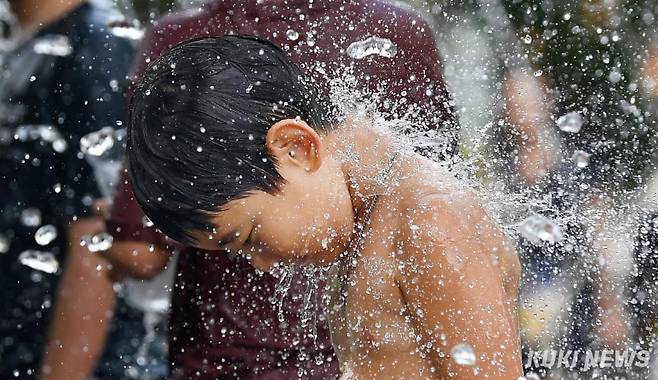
{"x": 434, "y": 271}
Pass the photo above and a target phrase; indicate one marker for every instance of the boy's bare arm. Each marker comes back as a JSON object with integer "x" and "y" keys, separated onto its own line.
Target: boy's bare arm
{"x": 454, "y": 284}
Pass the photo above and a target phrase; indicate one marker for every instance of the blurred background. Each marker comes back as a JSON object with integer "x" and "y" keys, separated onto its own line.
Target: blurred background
{"x": 556, "y": 98}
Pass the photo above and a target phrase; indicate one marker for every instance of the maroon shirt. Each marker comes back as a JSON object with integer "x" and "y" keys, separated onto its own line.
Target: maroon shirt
{"x": 223, "y": 324}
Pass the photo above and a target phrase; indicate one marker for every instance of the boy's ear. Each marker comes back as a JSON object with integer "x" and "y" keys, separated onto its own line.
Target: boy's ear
{"x": 294, "y": 142}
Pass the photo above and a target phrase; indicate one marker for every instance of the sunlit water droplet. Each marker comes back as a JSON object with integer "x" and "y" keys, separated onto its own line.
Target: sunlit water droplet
{"x": 463, "y": 354}
{"x": 580, "y": 158}
{"x": 97, "y": 243}
{"x": 372, "y": 46}
{"x": 292, "y": 35}
{"x": 39, "y": 260}
{"x": 537, "y": 228}
{"x": 570, "y": 122}
{"x": 45, "y": 234}
{"x": 98, "y": 142}
{"x": 31, "y": 217}
{"x": 56, "y": 45}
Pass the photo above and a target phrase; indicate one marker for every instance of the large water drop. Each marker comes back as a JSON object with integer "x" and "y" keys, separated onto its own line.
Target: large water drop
{"x": 31, "y": 217}
{"x": 372, "y": 46}
{"x": 97, "y": 243}
{"x": 537, "y": 228}
{"x": 56, "y": 45}
{"x": 39, "y": 260}
{"x": 45, "y": 234}
{"x": 580, "y": 158}
{"x": 570, "y": 122}
{"x": 98, "y": 142}
{"x": 463, "y": 354}
{"x": 292, "y": 35}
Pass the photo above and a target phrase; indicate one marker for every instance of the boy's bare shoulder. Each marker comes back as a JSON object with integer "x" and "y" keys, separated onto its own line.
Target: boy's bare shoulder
{"x": 445, "y": 225}
{"x": 440, "y": 203}
{"x": 443, "y": 215}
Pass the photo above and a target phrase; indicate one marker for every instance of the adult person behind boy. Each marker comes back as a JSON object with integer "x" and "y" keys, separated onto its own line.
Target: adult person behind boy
{"x": 61, "y": 79}
{"x": 222, "y": 323}
{"x": 425, "y": 284}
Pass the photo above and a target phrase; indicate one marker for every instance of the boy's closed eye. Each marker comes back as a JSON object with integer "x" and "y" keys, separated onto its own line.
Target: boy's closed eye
{"x": 233, "y": 239}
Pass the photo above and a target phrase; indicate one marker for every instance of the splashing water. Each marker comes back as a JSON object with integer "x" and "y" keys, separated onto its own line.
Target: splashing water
{"x": 39, "y": 260}
{"x": 103, "y": 149}
{"x": 56, "y": 45}
{"x": 463, "y": 354}
{"x": 285, "y": 276}
{"x": 45, "y": 133}
{"x": 31, "y": 217}
{"x": 45, "y": 234}
{"x": 580, "y": 158}
{"x": 97, "y": 243}
{"x": 99, "y": 142}
{"x": 537, "y": 228}
{"x": 570, "y": 122}
{"x": 379, "y": 46}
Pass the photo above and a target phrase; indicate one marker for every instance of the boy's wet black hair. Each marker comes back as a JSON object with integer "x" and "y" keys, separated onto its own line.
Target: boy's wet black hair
{"x": 198, "y": 121}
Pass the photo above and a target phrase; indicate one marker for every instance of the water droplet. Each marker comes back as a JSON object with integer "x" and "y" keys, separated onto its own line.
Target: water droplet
{"x": 39, "y": 260}
{"x": 97, "y": 243}
{"x": 580, "y": 158}
{"x": 31, "y": 217}
{"x": 45, "y": 234}
{"x": 570, "y": 122}
{"x": 146, "y": 222}
{"x": 128, "y": 31}
{"x": 4, "y": 244}
{"x": 114, "y": 85}
{"x": 33, "y": 78}
{"x": 529, "y": 376}
{"x": 60, "y": 145}
{"x": 99, "y": 142}
{"x": 614, "y": 76}
{"x": 463, "y": 354}
{"x": 372, "y": 46}
{"x": 537, "y": 228}
{"x": 292, "y": 35}
{"x": 56, "y": 45}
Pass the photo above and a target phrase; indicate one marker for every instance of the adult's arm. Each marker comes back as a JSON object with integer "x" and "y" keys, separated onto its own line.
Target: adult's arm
{"x": 83, "y": 309}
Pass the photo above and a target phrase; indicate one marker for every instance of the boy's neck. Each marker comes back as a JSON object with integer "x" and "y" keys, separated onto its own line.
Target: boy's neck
{"x": 366, "y": 155}
{"x": 33, "y": 14}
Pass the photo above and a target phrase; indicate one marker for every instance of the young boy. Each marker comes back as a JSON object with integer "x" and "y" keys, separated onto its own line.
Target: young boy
{"x": 230, "y": 147}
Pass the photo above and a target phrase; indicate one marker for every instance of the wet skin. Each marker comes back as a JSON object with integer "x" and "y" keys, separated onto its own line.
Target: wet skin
{"x": 433, "y": 271}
